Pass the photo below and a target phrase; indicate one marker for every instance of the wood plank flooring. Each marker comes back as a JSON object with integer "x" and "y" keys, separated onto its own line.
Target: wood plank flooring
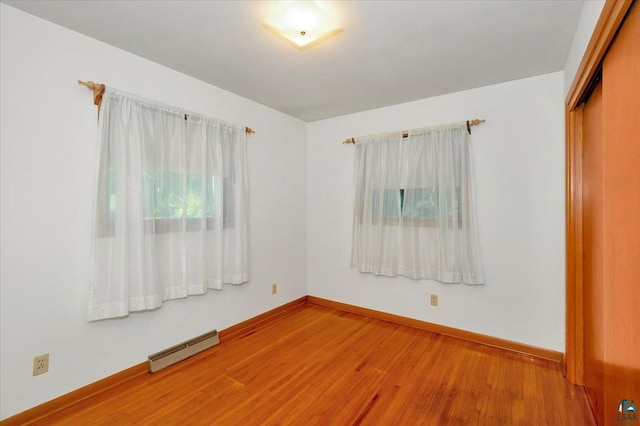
{"x": 320, "y": 366}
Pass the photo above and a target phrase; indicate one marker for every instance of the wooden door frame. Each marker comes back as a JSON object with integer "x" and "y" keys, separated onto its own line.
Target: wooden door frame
{"x": 610, "y": 20}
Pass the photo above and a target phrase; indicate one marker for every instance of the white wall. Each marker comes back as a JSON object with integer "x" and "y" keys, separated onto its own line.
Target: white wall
{"x": 588, "y": 19}
{"x": 48, "y": 139}
{"x": 519, "y": 162}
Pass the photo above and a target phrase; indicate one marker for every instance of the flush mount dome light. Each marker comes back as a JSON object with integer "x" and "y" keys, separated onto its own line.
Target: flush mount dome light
{"x": 302, "y": 22}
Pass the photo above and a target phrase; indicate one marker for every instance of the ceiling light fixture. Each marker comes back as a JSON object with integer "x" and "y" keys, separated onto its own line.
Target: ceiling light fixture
{"x": 302, "y": 22}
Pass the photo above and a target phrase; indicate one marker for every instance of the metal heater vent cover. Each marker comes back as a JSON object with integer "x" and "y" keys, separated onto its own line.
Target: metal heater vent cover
{"x": 182, "y": 351}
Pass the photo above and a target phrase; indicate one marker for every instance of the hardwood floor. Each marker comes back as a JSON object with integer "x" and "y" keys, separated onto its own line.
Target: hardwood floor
{"x": 317, "y": 365}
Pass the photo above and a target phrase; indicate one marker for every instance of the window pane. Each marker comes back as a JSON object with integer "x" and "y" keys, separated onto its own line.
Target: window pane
{"x": 424, "y": 203}
{"x": 171, "y": 195}
{"x": 419, "y": 204}
{"x": 386, "y": 206}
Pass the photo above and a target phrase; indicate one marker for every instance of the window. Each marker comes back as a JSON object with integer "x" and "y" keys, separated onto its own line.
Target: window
{"x": 171, "y": 212}
{"x": 413, "y": 209}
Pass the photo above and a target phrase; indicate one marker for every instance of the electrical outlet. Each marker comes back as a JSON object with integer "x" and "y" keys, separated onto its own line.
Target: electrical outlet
{"x": 40, "y": 364}
{"x": 434, "y": 300}
{"x": 274, "y": 288}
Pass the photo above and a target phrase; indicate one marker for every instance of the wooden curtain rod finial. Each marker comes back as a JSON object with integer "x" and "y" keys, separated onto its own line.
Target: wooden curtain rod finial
{"x": 97, "y": 89}
{"x": 473, "y": 122}
{"x": 249, "y": 130}
{"x": 90, "y": 84}
{"x": 350, "y": 140}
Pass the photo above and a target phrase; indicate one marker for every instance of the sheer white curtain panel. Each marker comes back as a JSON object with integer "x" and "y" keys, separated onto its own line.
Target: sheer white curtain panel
{"x": 414, "y": 211}
{"x": 170, "y": 217}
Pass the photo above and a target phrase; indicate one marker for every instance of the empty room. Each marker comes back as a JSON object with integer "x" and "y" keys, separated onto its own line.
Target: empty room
{"x": 319, "y": 212}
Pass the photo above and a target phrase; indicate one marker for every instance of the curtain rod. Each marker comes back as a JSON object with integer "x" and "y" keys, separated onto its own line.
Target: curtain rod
{"x": 99, "y": 88}
{"x": 405, "y": 133}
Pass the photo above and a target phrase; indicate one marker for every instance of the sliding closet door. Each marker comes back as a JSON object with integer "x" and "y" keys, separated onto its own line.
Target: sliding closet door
{"x": 621, "y": 245}
{"x": 611, "y": 232}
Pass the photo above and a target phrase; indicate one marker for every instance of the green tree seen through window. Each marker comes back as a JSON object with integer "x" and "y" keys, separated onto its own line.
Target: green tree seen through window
{"x": 171, "y": 195}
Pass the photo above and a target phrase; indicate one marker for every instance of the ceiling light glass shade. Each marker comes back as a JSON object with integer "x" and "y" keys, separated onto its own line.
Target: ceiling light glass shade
{"x": 302, "y": 22}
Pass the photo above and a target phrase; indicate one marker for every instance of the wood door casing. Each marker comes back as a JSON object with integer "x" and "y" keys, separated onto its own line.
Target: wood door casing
{"x": 592, "y": 237}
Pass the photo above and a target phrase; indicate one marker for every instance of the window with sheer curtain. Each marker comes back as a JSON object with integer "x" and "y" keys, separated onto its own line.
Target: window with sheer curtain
{"x": 171, "y": 206}
{"x": 414, "y": 212}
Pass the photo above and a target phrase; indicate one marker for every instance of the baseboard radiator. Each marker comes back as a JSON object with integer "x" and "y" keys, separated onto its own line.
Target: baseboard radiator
{"x": 182, "y": 351}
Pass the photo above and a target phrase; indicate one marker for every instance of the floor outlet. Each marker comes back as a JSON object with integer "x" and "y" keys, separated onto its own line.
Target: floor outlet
{"x": 40, "y": 364}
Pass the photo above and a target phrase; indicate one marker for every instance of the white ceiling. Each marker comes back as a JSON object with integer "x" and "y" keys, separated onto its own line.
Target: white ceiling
{"x": 388, "y": 53}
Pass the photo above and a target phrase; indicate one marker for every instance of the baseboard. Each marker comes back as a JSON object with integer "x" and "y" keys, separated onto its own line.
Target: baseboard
{"x": 46, "y": 409}
{"x": 247, "y": 326}
{"x": 49, "y": 408}
{"x": 482, "y": 339}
